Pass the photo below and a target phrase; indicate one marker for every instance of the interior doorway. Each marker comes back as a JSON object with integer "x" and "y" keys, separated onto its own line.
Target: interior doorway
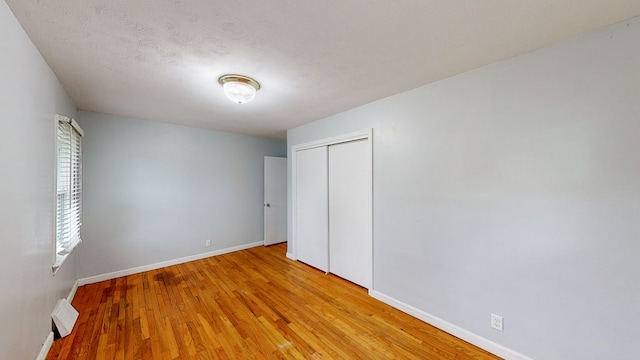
{"x": 275, "y": 200}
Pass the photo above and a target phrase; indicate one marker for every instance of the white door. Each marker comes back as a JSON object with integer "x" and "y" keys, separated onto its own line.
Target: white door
{"x": 311, "y": 232}
{"x": 275, "y": 200}
{"x": 350, "y": 201}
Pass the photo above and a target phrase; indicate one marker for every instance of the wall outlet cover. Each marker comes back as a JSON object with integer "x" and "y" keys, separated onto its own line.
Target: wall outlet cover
{"x": 496, "y": 322}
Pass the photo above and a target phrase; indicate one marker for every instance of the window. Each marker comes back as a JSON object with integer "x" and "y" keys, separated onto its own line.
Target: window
{"x": 69, "y": 189}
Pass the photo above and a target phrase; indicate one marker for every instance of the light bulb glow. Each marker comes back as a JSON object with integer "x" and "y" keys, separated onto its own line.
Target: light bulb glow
{"x": 239, "y": 92}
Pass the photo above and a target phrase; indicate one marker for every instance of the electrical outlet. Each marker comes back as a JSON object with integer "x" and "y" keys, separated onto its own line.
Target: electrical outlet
{"x": 496, "y": 322}
{"x": 207, "y": 243}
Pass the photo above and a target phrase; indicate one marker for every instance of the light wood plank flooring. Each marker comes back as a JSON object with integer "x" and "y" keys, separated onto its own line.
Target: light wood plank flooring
{"x": 250, "y": 304}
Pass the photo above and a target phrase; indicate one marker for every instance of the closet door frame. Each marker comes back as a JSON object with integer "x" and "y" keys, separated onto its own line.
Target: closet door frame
{"x": 366, "y": 134}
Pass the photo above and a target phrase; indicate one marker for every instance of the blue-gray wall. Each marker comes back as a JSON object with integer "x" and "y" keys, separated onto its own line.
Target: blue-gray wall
{"x": 515, "y": 189}
{"x": 155, "y": 192}
{"x": 30, "y": 98}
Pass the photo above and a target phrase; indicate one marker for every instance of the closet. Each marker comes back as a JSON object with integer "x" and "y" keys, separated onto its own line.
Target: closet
{"x": 333, "y": 206}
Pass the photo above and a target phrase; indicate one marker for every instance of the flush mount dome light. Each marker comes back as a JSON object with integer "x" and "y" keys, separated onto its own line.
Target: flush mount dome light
{"x": 239, "y": 89}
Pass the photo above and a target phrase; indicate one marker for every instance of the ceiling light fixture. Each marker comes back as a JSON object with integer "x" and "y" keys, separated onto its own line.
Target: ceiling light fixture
{"x": 239, "y": 89}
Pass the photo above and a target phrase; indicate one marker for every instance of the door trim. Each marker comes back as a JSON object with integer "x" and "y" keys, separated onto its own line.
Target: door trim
{"x": 358, "y": 135}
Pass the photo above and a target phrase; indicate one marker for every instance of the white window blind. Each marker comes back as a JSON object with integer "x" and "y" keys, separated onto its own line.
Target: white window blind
{"x": 69, "y": 188}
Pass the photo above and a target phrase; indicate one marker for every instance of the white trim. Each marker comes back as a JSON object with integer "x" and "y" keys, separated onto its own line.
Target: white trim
{"x": 358, "y": 135}
{"x": 73, "y": 122}
{"x": 139, "y": 269}
{"x": 60, "y": 259}
{"x": 291, "y": 256}
{"x": 62, "y": 118}
{"x": 294, "y": 200}
{"x": 72, "y": 292}
{"x": 452, "y": 329}
{"x": 275, "y": 243}
{"x": 54, "y": 242}
{"x": 44, "y": 351}
{"x": 76, "y": 126}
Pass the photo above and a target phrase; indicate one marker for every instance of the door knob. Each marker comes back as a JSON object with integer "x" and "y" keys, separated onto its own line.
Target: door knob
{"x": 267, "y": 205}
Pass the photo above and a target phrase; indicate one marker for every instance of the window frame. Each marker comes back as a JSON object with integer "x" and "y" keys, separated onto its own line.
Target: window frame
{"x": 59, "y": 256}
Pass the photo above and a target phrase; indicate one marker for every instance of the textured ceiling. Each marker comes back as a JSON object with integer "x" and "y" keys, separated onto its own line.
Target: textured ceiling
{"x": 160, "y": 59}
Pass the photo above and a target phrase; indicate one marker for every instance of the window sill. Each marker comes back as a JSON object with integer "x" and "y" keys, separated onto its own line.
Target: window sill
{"x": 60, "y": 259}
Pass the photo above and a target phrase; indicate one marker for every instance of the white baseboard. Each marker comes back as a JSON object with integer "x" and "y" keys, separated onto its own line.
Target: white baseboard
{"x": 44, "y": 351}
{"x": 139, "y": 269}
{"x": 291, "y": 256}
{"x": 72, "y": 292}
{"x": 452, "y": 329}
{"x": 275, "y": 243}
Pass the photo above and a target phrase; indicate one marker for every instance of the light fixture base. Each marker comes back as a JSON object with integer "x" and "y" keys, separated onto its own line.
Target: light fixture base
{"x": 239, "y": 78}
{"x": 238, "y": 88}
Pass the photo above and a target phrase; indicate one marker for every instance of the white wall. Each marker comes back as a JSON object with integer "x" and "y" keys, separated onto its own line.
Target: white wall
{"x": 30, "y": 97}
{"x": 155, "y": 192}
{"x": 515, "y": 189}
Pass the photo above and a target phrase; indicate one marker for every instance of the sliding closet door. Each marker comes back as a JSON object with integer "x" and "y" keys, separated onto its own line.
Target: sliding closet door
{"x": 350, "y": 201}
{"x": 312, "y": 238}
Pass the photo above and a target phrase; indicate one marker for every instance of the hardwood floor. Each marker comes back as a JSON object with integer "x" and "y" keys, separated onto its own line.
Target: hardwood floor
{"x": 250, "y": 304}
